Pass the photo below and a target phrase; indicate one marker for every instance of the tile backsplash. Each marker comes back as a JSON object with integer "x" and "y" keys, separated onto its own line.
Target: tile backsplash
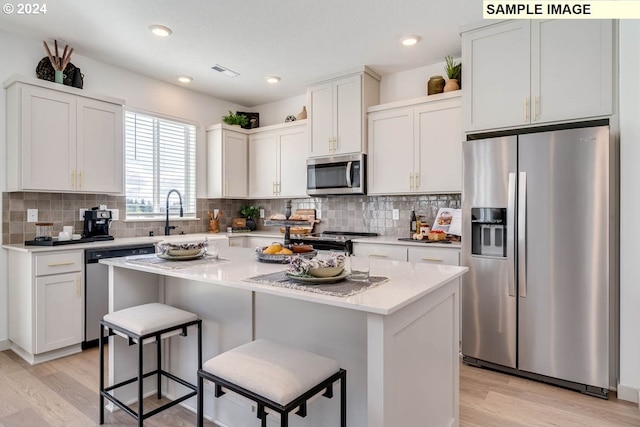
{"x": 340, "y": 213}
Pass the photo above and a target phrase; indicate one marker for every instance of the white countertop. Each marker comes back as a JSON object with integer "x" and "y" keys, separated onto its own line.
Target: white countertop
{"x": 123, "y": 241}
{"x": 408, "y": 282}
{"x": 388, "y": 240}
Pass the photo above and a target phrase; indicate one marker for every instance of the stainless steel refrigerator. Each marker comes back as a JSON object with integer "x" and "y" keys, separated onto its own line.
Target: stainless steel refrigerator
{"x": 539, "y": 243}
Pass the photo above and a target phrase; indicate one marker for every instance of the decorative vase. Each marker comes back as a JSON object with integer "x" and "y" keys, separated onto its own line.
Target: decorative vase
{"x": 303, "y": 114}
{"x": 435, "y": 85}
{"x": 452, "y": 84}
{"x": 251, "y": 224}
{"x": 59, "y": 76}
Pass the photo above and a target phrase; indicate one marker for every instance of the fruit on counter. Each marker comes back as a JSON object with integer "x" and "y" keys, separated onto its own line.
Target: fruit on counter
{"x": 302, "y": 248}
{"x": 285, "y": 251}
{"x": 272, "y": 249}
{"x": 437, "y": 235}
{"x": 418, "y": 236}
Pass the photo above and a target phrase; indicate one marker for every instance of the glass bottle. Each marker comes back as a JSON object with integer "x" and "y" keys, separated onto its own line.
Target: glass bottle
{"x": 413, "y": 224}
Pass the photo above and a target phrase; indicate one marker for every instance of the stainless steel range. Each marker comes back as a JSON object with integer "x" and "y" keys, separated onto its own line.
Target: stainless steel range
{"x": 331, "y": 240}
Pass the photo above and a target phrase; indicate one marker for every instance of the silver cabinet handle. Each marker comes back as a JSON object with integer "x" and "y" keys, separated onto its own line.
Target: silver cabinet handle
{"x": 379, "y": 255}
{"x": 60, "y": 264}
{"x": 511, "y": 218}
{"x": 522, "y": 234}
{"x": 432, "y": 259}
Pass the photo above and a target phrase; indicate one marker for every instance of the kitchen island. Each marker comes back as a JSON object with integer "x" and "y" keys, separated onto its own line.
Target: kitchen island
{"x": 398, "y": 341}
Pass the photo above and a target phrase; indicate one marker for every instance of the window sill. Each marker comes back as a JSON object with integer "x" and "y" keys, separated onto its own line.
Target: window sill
{"x": 163, "y": 219}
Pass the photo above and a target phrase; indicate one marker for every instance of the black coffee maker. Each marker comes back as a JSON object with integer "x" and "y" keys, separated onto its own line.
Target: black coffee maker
{"x": 96, "y": 224}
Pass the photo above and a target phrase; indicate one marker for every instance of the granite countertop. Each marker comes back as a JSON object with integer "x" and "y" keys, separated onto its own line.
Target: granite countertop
{"x": 408, "y": 282}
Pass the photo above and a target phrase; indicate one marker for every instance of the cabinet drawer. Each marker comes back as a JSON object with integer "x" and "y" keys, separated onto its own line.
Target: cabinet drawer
{"x": 434, "y": 256}
{"x": 65, "y": 262}
{"x": 380, "y": 251}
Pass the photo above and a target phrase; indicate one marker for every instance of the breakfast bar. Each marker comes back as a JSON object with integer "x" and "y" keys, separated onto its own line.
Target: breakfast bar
{"x": 397, "y": 340}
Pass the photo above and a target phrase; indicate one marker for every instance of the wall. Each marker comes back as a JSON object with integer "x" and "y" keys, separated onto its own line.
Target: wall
{"x": 629, "y": 386}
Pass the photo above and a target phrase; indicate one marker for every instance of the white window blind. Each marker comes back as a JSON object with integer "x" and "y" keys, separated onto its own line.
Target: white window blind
{"x": 160, "y": 156}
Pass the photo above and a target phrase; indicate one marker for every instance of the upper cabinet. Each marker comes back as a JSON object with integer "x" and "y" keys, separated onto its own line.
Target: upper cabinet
{"x": 425, "y": 137}
{"x": 62, "y": 139}
{"x": 527, "y": 72}
{"x": 337, "y": 112}
{"x": 278, "y": 161}
{"x": 227, "y": 170}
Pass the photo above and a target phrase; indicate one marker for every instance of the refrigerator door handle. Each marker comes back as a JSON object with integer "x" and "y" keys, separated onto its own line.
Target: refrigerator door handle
{"x": 522, "y": 235}
{"x": 511, "y": 217}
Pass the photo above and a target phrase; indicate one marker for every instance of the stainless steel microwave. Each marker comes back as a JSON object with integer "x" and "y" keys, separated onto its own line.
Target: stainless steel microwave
{"x": 334, "y": 175}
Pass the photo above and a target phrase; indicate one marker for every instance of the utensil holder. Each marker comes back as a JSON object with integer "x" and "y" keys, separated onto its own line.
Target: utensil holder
{"x": 214, "y": 226}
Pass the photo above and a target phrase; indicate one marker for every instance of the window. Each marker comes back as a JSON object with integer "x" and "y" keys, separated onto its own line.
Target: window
{"x": 160, "y": 156}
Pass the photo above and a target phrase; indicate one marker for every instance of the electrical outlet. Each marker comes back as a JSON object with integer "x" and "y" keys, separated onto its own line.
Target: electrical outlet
{"x": 82, "y": 211}
{"x": 32, "y": 215}
{"x": 115, "y": 214}
{"x": 261, "y": 213}
{"x": 396, "y": 214}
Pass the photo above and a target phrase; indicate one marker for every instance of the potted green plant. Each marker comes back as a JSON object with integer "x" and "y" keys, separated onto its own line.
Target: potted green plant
{"x": 235, "y": 119}
{"x": 453, "y": 72}
{"x": 250, "y": 213}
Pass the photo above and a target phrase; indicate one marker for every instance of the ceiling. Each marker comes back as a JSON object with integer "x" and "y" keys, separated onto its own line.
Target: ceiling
{"x": 297, "y": 40}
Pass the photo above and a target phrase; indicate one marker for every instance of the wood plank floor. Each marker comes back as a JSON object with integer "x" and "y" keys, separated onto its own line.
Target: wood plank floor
{"x": 63, "y": 393}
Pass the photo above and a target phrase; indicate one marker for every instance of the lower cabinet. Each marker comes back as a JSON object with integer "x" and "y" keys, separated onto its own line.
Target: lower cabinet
{"x": 254, "y": 241}
{"x": 376, "y": 250}
{"x": 411, "y": 253}
{"x": 46, "y": 304}
{"x": 432, "y": 255}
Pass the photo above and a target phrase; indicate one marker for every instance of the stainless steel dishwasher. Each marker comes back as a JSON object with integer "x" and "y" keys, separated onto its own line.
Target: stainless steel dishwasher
{"x": 96, "y": 282}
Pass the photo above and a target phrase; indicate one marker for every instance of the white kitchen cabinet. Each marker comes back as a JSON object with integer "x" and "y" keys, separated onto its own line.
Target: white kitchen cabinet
{"x": 337, "y": 107}
{"x": 46, "y": 303}
{"x": 277, "y": 161}
{"x": 381, "y": 251}
{"x": 227, "y": 158}
{"x": 425, "y": 137}
{"x": 62, "y": 139}
{"x": 433, "y": 255}
{"x": 526, "y": 72}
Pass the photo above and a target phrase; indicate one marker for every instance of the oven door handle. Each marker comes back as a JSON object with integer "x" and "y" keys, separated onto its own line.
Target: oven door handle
{"x": 348, "y": 172}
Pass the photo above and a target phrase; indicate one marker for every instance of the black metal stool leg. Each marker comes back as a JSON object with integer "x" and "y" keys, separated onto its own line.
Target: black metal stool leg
{"x": 140, "y": 384}
{"x": 159, "y": 365}
{"x": 343, "y": 400}
{"x": 101, "y": 350}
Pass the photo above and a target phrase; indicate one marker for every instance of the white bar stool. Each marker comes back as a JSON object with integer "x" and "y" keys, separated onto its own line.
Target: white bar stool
{"x": 141, "y": 325}
{"x": 275, "y": 376}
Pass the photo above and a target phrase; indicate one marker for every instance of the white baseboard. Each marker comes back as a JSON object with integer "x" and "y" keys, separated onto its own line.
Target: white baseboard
{"x": 630, "y": 394}
{"x": 5, "y": 345}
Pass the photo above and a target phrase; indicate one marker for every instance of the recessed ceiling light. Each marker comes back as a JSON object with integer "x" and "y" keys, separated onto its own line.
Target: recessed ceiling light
{"x": 160, "y": 30}
{"x": 272, "y": 79}
{"x": 410, "y": 40}
{"x": 185, "y": 79}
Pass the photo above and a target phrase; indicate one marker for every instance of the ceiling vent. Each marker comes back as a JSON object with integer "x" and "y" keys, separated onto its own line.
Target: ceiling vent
{"x": 225, "y": 71}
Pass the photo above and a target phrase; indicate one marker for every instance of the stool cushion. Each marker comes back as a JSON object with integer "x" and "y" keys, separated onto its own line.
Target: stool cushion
{"x": 148, "y": 318}
{"x": 277, "y": 372}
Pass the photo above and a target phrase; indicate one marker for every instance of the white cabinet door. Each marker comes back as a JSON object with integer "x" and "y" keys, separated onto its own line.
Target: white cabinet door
{"x": 263, "y": 160}
{"x": 381, "y": 251}
{"x": 292, "y": 165}
{"x": 495, "y": 78}
{"x": 320, "y": 99}
{"x": 433, "y": 255}
{"x": 48, "y": 140}
{"x": 391, "y": 151}
{"x": 59, "y": 311}
{"x": 348, "y": 117}
{"x": 581, "y": 50}
{"x": 100, "y": 155}
{"x": 438, "y": 133}
{"x": 234, "y": 164}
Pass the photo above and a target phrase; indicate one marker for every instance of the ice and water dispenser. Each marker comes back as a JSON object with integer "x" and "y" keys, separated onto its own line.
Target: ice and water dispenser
{"x": 489, "y": 232}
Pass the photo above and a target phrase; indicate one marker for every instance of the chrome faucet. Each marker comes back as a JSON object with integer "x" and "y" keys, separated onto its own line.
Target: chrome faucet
{"x": 167, "y": 228}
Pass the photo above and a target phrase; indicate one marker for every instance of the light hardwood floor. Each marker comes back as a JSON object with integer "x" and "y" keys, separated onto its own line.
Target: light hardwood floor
{"x": 63, "y": 393}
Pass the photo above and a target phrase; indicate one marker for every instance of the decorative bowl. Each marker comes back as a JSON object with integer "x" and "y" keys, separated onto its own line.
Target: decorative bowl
{"x": 181, "y": 249}
{"x": 325, "y": 271}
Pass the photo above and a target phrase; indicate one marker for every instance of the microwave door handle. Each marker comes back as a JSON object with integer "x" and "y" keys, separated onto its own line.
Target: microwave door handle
{"x": 349, "y": 165}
